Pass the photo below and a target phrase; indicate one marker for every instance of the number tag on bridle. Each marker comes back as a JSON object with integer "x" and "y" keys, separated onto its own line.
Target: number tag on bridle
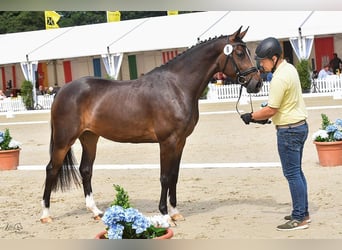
{"x": 228, "y": 49}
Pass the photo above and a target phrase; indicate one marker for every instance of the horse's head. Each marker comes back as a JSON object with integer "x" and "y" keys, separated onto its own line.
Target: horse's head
{"x": 236, "y": 62}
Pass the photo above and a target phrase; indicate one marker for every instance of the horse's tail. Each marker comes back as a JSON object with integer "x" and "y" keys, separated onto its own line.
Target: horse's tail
{"x": 68, "y": 174}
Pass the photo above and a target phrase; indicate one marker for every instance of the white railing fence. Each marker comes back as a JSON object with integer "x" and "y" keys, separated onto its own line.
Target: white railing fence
{"x": 16, "y": 103}
{"x": 45, "y": 101}
{"x": 232, "y": 91}
{"x": 329, "y": 85}
{"x": 332, "y": 84}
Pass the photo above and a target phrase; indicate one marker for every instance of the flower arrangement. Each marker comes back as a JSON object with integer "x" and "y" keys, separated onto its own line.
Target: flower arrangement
{"x": 329, "y": 131}
{"x": 7, "y": 142}
{"x": 126, "y": 222}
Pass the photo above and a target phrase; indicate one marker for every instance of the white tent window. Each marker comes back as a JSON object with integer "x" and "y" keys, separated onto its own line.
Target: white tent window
{"x": 112, "y": 63}
{"x": 302, "y": 46}
{"x": 29, "y": 70}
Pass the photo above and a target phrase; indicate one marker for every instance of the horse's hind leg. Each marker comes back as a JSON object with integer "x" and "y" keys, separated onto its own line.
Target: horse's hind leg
{"x": 51, "y": 179}
{"x": 89, "y": 141}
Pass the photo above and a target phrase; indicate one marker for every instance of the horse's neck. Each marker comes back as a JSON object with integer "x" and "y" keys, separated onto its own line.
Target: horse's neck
{"x": 196, "y": 67}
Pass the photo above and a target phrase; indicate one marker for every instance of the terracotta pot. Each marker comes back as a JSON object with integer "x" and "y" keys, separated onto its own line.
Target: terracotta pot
{"x": 329, "y": 153}
{"x": 168, "y": 235}
{"x": 9, "y": 159}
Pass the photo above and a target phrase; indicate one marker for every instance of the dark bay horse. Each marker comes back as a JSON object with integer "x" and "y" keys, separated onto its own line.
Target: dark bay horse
{"x": 159, "y": 107}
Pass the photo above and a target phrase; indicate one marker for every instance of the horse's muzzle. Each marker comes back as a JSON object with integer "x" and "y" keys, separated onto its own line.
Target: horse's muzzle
{"x": 254, "y": 86}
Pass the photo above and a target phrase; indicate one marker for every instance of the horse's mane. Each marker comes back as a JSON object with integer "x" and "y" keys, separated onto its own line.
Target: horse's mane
{"x": 189, "y": 50}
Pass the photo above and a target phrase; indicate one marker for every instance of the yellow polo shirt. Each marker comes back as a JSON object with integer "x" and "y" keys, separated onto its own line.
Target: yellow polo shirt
{"x": 286, "y": 95}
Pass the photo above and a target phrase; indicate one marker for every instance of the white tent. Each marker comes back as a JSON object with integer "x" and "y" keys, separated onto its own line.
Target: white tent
{"x": 262, "y": 24}
{"x": 167, "y": 32}
{"x": 86, "y": 40}
{"x": 158, "y": 33}
{"x": 15, "y": 46}
{"x": 322, "y": 23}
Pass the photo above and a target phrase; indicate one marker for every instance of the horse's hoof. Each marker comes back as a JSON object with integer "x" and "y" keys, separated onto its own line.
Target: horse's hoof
{"x": 177, "y": 217}
{"x": 46, "y": 220}
{"x": 98, "y": 217}
{"x": 171, "y": 222}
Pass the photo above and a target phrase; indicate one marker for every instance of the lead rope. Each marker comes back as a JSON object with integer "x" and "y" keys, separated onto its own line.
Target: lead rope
{"x": 237, "y": 103}
{"x": 268, "y": 121}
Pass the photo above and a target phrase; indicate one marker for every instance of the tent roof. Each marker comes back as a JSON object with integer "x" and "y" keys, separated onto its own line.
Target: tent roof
{"x": 323, "y": 23}
{"x": 165, "y": 32}
{"x": 86, "y": 40}
{"x": 262, "y": 24}
{"x": 15, "y": 46}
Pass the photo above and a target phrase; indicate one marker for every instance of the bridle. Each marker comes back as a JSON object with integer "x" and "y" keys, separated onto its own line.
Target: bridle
{"x": 240, "y": 75}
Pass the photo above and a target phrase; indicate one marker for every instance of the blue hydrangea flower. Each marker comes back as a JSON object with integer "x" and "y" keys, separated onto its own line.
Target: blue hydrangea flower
{"x": 338, "y": 135}
{"x": 131, "y": 214}
{"x": 331, "y": 128}
{"x": 115, "y": 232}
{"x": 117, "y": 218}
{"x": 338, "y": 122}
{"x": 140, "y": 224}
{"x": 113, "y": 215}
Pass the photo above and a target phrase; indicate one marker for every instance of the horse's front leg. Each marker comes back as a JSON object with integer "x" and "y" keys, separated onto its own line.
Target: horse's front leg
{"x": 170, "y": 157}
{"x": 89, "y": 141}
{"x": 173, "y": 211}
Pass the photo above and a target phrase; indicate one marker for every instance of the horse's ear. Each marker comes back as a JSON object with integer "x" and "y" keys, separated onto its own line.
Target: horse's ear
{"x": 236, "y": 35}
{"x": 242, "y": 34}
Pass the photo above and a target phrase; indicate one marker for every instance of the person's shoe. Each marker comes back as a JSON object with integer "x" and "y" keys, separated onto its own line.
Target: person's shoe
{"x": 306, "y": 218}
{"x": 293, "y": 225}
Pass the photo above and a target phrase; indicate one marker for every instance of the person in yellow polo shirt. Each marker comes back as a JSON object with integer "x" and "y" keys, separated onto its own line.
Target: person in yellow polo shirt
{"x": 287, "y": 109}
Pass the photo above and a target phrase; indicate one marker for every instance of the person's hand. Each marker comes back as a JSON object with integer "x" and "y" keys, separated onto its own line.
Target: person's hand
{"x": 267, "y": 121}
{"x": 247, "y": 118}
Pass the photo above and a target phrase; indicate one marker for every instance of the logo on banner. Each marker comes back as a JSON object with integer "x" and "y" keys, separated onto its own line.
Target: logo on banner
{"x": 51, "y": 19}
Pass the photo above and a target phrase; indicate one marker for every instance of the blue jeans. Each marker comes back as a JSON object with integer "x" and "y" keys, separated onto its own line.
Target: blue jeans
{"x": 290, "y": 148}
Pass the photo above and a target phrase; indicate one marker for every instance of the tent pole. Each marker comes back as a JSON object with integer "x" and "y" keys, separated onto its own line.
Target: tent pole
{"x": 300, "y": 42}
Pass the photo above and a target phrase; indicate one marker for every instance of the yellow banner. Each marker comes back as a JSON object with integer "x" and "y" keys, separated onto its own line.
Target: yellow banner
{"x": 172, "y": 12}
{"x": 51, "y": 19}
{"x": 113, "y": 16}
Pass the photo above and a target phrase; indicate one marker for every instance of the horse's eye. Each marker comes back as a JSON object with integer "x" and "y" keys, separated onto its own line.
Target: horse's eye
{"x": 240, "y": 53}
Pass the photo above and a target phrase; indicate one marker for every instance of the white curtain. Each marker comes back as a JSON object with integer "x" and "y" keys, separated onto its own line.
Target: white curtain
{"x": 302, "y": 46}
{"x": 29, "y": 70}
{"x": 112, "y": 63}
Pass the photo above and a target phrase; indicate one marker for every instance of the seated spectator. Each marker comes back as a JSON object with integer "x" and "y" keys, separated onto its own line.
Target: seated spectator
{"x": 2, "y": 95}
{"x": 219, "y": 77}
{"x": 41, "y": 90}
{"x": 324, "y": 72}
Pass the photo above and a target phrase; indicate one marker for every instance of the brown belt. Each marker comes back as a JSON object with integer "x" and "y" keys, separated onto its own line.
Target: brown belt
{"x": 292, "y": 125}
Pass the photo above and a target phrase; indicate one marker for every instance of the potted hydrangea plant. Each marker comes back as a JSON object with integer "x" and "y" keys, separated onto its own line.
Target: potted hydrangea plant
{"x": 9, "y": 151}
{"x": 328, "y": 141}
{"x": 125, "y": 222}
